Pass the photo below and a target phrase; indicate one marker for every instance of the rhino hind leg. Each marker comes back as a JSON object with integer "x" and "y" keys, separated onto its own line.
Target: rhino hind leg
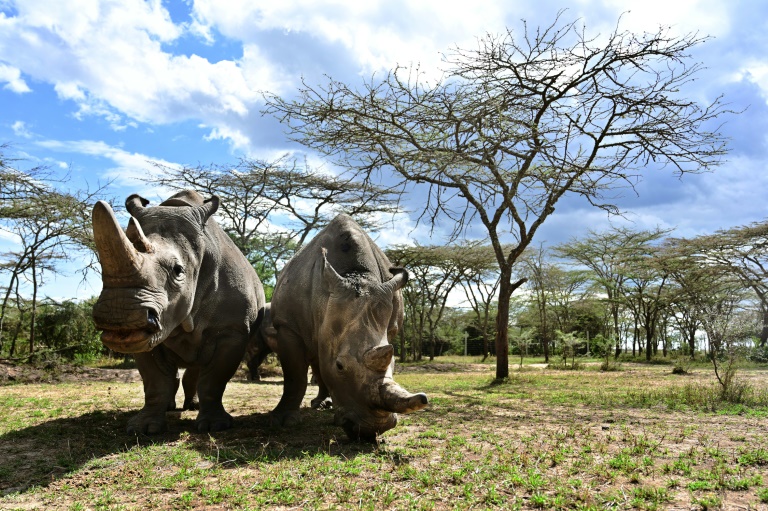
{"x": 323, "y": 400}
{"x": 189, "y": 384}
{"x": 293, "y": 360}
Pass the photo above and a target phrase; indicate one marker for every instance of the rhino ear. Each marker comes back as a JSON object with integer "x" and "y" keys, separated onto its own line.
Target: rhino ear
{"x": 399, "y": 279}
{"x": 208, "y": 208}
{"x": 135, "y": 203}
{"x": 333, "y": 281}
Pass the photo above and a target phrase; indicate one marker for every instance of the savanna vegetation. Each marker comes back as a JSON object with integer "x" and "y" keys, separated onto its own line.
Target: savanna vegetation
{"x": 630, "y": 365}
{"x": 639, "y": 438}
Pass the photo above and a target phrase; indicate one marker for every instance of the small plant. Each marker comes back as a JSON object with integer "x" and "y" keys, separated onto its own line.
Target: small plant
{"x": 604, "y": 349}
{"x": 682, "y": 364}
{"x": 568, "y": 343}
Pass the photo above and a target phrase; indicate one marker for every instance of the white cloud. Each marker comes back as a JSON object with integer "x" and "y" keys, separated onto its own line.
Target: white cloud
{"x": 109, "y": 58}
{"x": 20, "y": 129}
{"x": 708, "y": 17}
{"x": 12, "y": 78}
{"x": 377, "y": 34}
{"x": 128, "y": 168}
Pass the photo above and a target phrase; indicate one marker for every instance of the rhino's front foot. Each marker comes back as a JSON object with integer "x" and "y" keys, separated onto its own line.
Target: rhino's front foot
{"x": 147, "y": 424}
{"x": 213, "y": 422}
{"x": 322, "y": 403}
{"x": 284, "y": 418}
{"x": 191, "y": 404}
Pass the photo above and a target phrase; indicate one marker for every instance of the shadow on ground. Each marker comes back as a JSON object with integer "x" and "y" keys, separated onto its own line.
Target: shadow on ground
{"x": 41, "y": 454}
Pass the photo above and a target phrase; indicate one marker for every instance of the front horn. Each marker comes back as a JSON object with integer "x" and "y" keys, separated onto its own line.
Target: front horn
{"x": 395, "y": 398}
{"x": 117, "y": 254}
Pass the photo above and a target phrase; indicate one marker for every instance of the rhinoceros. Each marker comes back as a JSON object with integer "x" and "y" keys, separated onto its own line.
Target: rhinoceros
{"x": 177, "y": 293}
{"x": 335, "y": 306}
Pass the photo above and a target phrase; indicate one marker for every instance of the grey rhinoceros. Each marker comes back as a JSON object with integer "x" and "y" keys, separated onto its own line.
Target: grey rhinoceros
{"x": 335, "y": 306}
{"x": 177, "y": 293}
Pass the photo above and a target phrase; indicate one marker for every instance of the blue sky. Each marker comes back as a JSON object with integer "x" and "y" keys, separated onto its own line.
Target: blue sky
{"x": 100, "y": 89}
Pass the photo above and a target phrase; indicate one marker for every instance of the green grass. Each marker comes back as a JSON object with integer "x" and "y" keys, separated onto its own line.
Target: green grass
{"x": 543, "y": 439}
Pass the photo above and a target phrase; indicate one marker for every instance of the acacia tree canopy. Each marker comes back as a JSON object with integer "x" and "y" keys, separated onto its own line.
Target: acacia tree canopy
{"x": 269, "y": 208}
{"x": 515, "y": 124}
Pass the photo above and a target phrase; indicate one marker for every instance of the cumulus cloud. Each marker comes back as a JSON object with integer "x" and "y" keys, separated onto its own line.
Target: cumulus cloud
{"x": 11, "y": 76}
{"x": 127, "y": 169}
{"x": 20, "y": 129}
{"x": 110, "y": 57}
{"x": 376, "y": 34}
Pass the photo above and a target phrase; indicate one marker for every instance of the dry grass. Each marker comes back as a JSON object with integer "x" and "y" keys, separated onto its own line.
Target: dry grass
{"x": 640, "y": 438}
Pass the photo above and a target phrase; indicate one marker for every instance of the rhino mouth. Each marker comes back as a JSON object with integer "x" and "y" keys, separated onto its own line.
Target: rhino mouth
{"x": 132, "y": 340}
{"x": 366, "y": 430}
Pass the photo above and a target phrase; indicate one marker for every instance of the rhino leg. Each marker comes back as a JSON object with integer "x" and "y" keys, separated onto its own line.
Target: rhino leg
{"x": 255, "y": 362}
{"x": 160, "y": 379}
{"x": 213, "y": 380}
{"x": 293, "y": 359}
{"x": 323, "y": 399}
{"x": 189, "y": 383}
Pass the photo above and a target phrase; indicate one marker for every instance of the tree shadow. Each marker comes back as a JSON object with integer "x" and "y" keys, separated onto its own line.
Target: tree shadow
{"x": 39, "y": 455}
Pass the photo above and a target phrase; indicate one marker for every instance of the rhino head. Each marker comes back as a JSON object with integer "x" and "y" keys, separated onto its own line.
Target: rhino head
{"x": 149, "y": 279}
{"x": 356, "y": 359}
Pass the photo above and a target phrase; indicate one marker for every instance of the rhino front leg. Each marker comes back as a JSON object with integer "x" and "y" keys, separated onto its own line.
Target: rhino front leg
{"x": 160, "y": 379}
{"x": 189, "y": 384}
{"x": 323, "y": 399}
{"x": 293, "y": 359}
{"x": 213, "y": 381}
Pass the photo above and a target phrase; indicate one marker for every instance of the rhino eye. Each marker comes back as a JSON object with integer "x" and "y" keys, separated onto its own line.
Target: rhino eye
{"x": 339, "y": 366}
{"x": 178, "y": 270}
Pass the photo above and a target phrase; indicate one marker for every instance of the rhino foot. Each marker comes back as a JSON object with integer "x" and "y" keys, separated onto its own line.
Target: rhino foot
{"x": 191, "y": 404}
{"x": 213, "y": 423}
{"x": 289, "y": 418}
{"x": 322, "y": 403}
{"x": 143, "y": 424}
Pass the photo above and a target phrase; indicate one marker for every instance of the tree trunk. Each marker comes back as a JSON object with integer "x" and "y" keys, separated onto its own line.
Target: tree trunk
{"x": 692, "y": 342}
{"x": 502, "y": 326}
{"x": 616, "y": 328}
{"x": 648, "y": 347}
{"x": 431, "y": 348}
{"x": 764, "y": 332}
{"x": 403, "y": 352}
{"x": 34, "y": 309}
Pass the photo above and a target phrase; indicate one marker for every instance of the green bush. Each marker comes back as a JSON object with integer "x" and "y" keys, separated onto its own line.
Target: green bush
{"x": 67, "y": 329}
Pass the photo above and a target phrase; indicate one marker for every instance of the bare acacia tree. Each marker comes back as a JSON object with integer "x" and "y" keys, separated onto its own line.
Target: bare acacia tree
{"x": 49, "y": 225}
{"x": 480, "y": 284}
{"x": 743, "y": 252}
{"x": 435, "y": 272}
{"x": 515, "y": 124}
{"x": 269, "y": 208}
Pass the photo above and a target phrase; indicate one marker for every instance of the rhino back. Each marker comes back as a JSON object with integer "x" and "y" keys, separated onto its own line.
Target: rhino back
{"x": 299, "y": 297}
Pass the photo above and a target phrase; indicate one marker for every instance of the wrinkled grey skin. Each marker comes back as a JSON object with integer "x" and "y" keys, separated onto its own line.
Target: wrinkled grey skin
{"x": 335, "y": 307}
{"x": 260, "y": 345}
{"x": 177, "y": 293}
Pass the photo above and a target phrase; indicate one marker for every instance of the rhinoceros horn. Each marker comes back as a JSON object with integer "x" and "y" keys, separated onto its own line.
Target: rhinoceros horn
{"x": 378, "y": 358}
{"x": 136, "y": 235}
{"x": 117, "y": 254}
{"x": 395, "y": 398}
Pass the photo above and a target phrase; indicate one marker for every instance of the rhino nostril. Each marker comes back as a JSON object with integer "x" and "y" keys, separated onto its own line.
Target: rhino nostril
{"x": 153, "y": 319}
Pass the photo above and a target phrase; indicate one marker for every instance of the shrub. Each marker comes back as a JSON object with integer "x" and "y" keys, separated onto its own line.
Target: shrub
{"x": 67, "y": 329}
